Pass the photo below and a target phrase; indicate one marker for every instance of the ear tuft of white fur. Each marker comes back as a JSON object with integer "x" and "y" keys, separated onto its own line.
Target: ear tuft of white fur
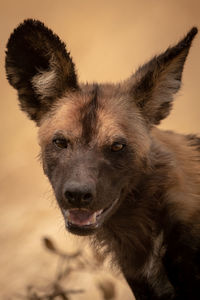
{"x": 44, "y": 83}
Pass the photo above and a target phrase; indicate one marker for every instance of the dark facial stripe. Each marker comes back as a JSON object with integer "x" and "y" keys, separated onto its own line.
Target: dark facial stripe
{"x": 89, "y": 116}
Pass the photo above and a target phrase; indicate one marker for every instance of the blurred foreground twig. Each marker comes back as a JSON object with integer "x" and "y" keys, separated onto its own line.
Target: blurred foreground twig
{"x": 68, "y": 263}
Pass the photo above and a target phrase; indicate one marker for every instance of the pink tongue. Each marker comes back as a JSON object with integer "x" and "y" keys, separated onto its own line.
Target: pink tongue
{"x": 81, "y": 217}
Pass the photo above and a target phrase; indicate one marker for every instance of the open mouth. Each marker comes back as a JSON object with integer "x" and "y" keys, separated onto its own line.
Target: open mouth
{"x": 85, "y": 221}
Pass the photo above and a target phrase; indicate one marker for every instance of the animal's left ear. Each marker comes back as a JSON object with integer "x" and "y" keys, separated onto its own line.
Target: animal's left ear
{"x": 154, "y": 84}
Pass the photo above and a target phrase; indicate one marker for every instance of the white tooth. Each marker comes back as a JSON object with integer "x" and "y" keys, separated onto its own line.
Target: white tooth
{"x": 99, "y": 212}
{"x": 94, "y": 218}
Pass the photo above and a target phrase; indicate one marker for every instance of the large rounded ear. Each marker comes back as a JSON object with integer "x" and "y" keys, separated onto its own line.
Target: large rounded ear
{"x": 39, "y": 67}
{"x": 154, "y": 84}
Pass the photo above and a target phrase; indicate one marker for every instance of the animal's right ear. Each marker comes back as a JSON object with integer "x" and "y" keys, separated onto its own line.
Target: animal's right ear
{"x": 39, "y": 67}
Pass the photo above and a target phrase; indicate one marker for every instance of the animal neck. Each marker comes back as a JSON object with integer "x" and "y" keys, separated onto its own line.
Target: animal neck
{"x": 129, "y": 234}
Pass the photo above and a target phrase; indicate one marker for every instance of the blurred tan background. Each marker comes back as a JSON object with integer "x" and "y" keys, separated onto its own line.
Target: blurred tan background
{"x": 108, "y": 41}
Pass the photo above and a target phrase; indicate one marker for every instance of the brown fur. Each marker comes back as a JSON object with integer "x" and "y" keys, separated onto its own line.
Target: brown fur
{"x": 133, "y": 187}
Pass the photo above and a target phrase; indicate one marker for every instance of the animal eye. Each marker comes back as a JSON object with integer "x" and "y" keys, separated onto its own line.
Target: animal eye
{"x": 60, "y": 142}
{"x": 116, "y": 147}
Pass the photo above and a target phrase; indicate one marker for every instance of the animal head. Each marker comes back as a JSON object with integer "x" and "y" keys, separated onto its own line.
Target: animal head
{"x": 95, "y": 138}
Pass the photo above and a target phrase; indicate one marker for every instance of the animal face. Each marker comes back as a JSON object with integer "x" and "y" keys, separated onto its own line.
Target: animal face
{"x": 88, "y": 145}
{"x": 95, "y": 138}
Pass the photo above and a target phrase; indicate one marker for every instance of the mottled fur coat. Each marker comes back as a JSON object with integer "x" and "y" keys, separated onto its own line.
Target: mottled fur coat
{"x": 134, "y": 188}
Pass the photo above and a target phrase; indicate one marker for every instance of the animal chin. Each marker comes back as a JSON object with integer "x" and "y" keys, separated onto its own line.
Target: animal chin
{"x": 84, "y": 221}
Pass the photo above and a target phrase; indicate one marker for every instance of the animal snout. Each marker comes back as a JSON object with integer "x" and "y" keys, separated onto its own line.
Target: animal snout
{"x": 79, "y": 195}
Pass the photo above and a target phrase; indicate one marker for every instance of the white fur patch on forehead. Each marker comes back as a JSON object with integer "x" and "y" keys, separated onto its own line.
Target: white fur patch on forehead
{"x": 45, "y": 83}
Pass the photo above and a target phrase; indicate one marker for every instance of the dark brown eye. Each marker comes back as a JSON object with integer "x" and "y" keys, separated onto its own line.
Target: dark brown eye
{"x": 117, "y": 147}
{"x": 60, "y": 142}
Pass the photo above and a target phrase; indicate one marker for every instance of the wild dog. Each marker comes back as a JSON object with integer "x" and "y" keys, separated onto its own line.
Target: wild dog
{"x": 116, "y": 176}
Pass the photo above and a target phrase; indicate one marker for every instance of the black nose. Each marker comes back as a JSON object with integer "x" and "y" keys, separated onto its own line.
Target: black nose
{"x": 79, "y": 195}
